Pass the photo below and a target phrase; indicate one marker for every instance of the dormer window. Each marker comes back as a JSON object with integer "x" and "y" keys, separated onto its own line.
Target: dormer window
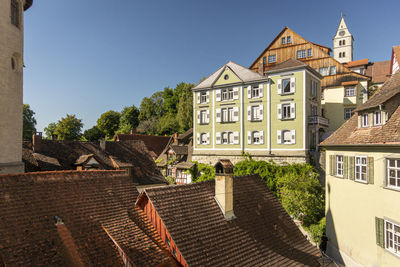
{"x": 377, "y": 118}
{"x": 349, "y": 91}
{"x": 364, "y": 122}
{"x": 289, "y": 39}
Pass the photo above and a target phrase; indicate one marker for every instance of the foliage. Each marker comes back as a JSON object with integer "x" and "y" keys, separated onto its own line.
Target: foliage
{"x": 129, "y": 119}
{"x": 194, "y": 172}
{"x": 69, "y": 128}
{"x": 29, "y": 122}
{"x": 93, "y": 134}
{"x": 170, "y": 179}
{"x": 109, "y": 123}
{"x": 301, "y": 193}
{"x": 185, "y": 106}
{"x": 50, "y": 129}
{"x": 317, "y": 230}
{"x": 167, "y": 124}
{"x": 152, "y": 107}
{"x": 372, "y": 90}
{"x": 206, "y": 172}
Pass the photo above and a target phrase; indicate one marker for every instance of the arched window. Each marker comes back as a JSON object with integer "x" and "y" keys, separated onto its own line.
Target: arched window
{"x": 344, "y": 54}
{"x": 340, "y": 42}
{"x": 343, "y": 42}
{"x": 340, "y": 54}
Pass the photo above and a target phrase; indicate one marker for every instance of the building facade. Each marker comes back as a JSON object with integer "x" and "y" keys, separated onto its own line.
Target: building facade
{"x": 363, "y": 183}
{"x": 239, "y": 111}
{"x": 11, "y": 83}
{"x": 343, "y": 90}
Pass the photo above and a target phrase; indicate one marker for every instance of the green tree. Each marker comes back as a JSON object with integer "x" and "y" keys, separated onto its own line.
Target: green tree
{"x": 69, "y": 128}
{"x": 204, "y": 172}
{"x": 93, "y": 134}
{"x": 129, "y": 119}
{"x": 167, "y": 125}
{"x": 29, "y": 122}
{"x": 109, "y": 123}
{"x": 50, "y": 129}
{"x": 152, "y": 107}
{"x": 185, "y": 106}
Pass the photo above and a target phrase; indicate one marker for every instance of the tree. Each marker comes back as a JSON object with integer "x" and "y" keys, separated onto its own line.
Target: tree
{"x": 167, "y": 125}
{"x": 109, "y": 123}
{"x": 69, "y": 128}
{"x": 129, "y": 119}
{"x": 93, "y": 134}
{"x": 202, "y": 172}
{"x": 50, "y": 129}
{"x": 29, "y": 122}
{"x": 185, "y": 106}
{"x": 152, "y": 107}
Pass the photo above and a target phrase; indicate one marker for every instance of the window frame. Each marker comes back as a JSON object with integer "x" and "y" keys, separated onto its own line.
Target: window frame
{"x": 227, "y": 94}
{"x": 203, "y": 116}
{"x": 229, "y": 137}
{"x": 256, "y": 140}
{"x": 332, "y": 72}
{"x": 396, "y": 170}
{"x": 287, "y": 86}
{"x": 395, "y": 235}
{"x": 284, "y": 141}
{"x": 324, "y": 71}
{"x": 364, "y": 120}
{"x": 288, "y": 39}
{"x": 349, "y": 89}
{"x": 255, "y": 113}
{"x": 301, "y": 53}
{"x": 271, "y": 59}
{"x": 309, "y": 52}
{"x": 283, "y": 40}
{"x": 361, "y": 165}
{"x": 379, "y": 116}
{"x": 339, "y": 166}
{"x": 346, "y": 111}
{"x": 286, "y": 106}
{"x": 255, "y": 91}
{"x": 203, "y": 138}
{"x": 203, "y": 97}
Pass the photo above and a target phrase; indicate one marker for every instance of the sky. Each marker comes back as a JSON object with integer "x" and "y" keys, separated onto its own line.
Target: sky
{"x": 86, "y": 57}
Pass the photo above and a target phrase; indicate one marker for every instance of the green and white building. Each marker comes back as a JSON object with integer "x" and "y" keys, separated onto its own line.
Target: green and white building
{"x": 278, "y": 116}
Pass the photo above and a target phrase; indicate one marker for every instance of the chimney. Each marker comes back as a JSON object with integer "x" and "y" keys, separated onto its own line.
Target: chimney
{"x": 261, "y": 68}
{"x": 133, "y": 131}
{"x": 224, "y": 187}
{"x": 103, "y": 144}
{"x": 37, "y": 142}
{"x": 175, "y": 138}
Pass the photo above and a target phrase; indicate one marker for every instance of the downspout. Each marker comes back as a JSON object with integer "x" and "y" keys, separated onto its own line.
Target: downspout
{"x": 269, "y": 116}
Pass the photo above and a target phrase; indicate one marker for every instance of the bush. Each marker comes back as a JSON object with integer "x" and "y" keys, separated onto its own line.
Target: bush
{"x": 316, "y": 231}
{"x": 202, "y": 172}
{"x": 170, "y": 179}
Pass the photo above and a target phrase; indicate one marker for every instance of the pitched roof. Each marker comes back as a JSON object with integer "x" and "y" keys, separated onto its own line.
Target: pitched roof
{"x": 243, "y": 73}
{"x": 349, "y": 134}
{"x": 68, "y": 218}
{"x": 63, "y": 155}
{"x": 379, "y": 71}
{"x": 187, "y": 134}
{"x": 262, "y": 234}
{"x": 180, "y": 150}
{"x": 154, "y": 143}
{"x": 356, "y": 63}
{"x": 292, "y": 64}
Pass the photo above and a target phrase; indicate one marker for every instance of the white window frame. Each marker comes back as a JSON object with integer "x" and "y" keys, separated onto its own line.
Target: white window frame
{"x": 203, "y": 138}
{"x": 364, "y": 120}
{"x": 283, "y": 40}
{"x": 358, "y": 174}
{"x": 392, "y": 236}
{"x": 203, "y": 116}
{"x": 203, "y": 97}
{"x": 377, "y": 118}
{"x": 271, "y": 59}
{"x": 314, "y": 88}
{"x": 255, "y": 113}
{"x": 309, "y": 52}
{"x": 332, "y": 70}
{"x": 255, "y": 91}
{"x": 396, "y": 172}
{"x": 324, "y": 71}
{"x": 284, "y": 141}
{"x": 286, "y": 111}
{"x": 339, "y": 165}
{"x": 227, "y": 94}
{"x": 348, "y": 112}
{"x": 288, "y": 85}
{"x": 256, "y": 137}
{"x": 349, "y": 91}
{"x": 289, "y": 39}
{"x": 301, "y": 53}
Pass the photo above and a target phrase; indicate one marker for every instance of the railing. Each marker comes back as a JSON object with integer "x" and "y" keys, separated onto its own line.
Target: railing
{"x": 318, "y": 120}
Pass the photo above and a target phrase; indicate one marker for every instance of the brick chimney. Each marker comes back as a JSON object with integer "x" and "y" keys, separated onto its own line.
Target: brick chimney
{"x": 103, "y": 144}
{"x": 37, "y": 142}
{"x": 176, "y": 138}
{"x": 133, "y": 131}
{"x": 224, "y": 187}
{"x": 261, "y": 68}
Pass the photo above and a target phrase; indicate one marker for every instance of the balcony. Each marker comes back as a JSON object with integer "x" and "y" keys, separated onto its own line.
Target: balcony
{"x": 318, "y": 120}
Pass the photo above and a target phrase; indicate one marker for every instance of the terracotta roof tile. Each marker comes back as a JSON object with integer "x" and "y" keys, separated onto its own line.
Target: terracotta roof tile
{"x": 356, "y": 63}
{"x": 262, "y": 234}
{"x": 90, "y": 204}
{"x": 379, "y": 71}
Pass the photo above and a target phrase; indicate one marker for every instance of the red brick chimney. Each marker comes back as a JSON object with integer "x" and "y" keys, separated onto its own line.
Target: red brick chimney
{"x": 261, "y": 68}
{"x": 133, "y": 131}
{"x": 175, "y": 138}
{"x": 37, "y": 142}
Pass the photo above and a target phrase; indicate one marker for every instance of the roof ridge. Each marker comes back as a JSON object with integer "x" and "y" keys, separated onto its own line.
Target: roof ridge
{"x": 58, "y": 173}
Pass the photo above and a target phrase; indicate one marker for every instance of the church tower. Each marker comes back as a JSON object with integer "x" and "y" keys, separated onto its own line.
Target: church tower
{"x": 343, "y": 43}
{"x": 11, "y": 83}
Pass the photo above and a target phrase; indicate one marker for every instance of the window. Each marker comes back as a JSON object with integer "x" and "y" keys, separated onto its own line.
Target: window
{"x": 226, "y": 77}
{"x": 339, "y": 166}
{"x": 283, "y": 40}
{"x": 264, "y": 60}
{"x": 287, "y": 137}
{"x": 227, "y": 138}
{"x": 364, "y": 121}
{"x": 340, "y": 42}
{"x": 286, "y": 111}
{"x": 314, "y": 88}
{"x": 169, "y": 172}
{"x": 301, "y": 53}
{"x": 256, "y": 137}
{"x": 289, "y": 39}
{"x": 343, "y": 54}
{"x": 361, "y": 169}
{"x": 203, "y": 97}
{"x": 15, "y": 13}
{"x": 227, "y": 94}
{"x": 227, "y": 114}
{"x": 349, "y": 91}
{"x": 392, "y": 237}
{"x": 271, "y": 58}
{"x": 377, "y": 118}
{"x": 255, "y": 91}
{"x": 343, "y": 42}
{"x": 322, "y": 94}
{"x": 348, "y": 112}
{"x": 286, "y": 85}
{"x": 309, "y": 52}
{"x": 203, "y": 117}
{"x": 332, "y": 70}
{"x": 255, "y": 113}
{"x": 324, "y": 71}
{"x": 393, "y": 173}
{"x": 203, "y": 138}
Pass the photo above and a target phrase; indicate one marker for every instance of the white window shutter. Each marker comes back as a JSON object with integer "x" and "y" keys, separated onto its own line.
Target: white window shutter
{"x": 249, "y": 91}
{"x": 261, "y": 86}
{"x": 279, "y": 87}
{"x": 292, "y": 84}
{"x": 279, "y": 111}
{"x": 236, "y": 114}
{"x": 218, "y": 114}
{"x": 208, "y": 138}
{"x": 198, "y": 138}
{"x": 261, "y": 112}
{"x": 198, "y": 116}
{"x": 249, "y": 137}
{"x": 261, "y": 137}
{"x": 208, "y": 116}
{"x": 249, "y": 113}
{"x": 198, "y": 97}
{"x": 279, "y": 135}
{"x": 293, "y": 134}
{"x": 208, "y": 97}
{"x": 218, "y": 138}
{"x": 236, "y": 92}
{"x": 292, "y": 110}
{"x": 217, "y": 95}
{"x": 236, "y": 138}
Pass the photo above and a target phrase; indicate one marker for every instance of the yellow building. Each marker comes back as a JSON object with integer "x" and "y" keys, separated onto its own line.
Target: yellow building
{"x": 11, "y": 72}
{"x": 363, "y": 183}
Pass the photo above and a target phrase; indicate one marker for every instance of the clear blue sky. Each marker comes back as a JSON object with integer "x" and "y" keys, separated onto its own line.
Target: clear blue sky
{"x": 86, "y": 57}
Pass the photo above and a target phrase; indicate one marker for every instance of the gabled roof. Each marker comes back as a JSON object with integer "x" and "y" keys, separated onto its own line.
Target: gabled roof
{"x": 46, "y": 216}
{"x": 154, "y": 143}
{"x": 356, "y": 63}
{"x": 291, "y": 64}
{"x": 180, "y": 150}
{"x": 379, "y": 71}
{"x": 262, "y": 234}
{"x": 244, "y": 74}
